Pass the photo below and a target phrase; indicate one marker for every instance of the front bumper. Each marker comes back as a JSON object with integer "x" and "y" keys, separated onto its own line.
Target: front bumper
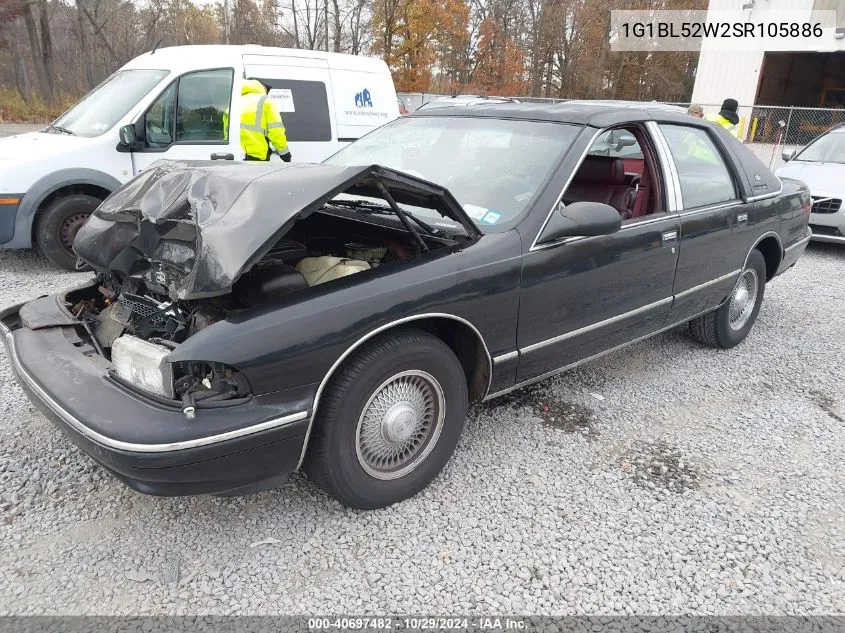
{"x": 153, "y": 448}
{"x": 828, "y": 227}
{"x": 9, "y": 204}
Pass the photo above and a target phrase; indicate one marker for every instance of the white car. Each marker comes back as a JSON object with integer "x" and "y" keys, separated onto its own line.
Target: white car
{"x": 177, "y": 103}
{"x": 821, "y": 165}
{"x": 463, "y": 100}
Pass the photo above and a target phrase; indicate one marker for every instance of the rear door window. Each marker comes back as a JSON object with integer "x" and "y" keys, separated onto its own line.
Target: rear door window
{"x": 304, "y": 106}
{"x": 705, "y": 178}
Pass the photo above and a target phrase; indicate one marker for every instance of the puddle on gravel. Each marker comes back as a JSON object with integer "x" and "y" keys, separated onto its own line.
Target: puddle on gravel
{"x": 569, "y": 417}
{"x": 658, "y": 466}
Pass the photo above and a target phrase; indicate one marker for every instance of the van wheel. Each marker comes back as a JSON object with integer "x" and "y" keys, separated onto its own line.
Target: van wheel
{"x": 389, "y": 421}
{"x": 58, "y": 224}
{"x": 729, "y": 325}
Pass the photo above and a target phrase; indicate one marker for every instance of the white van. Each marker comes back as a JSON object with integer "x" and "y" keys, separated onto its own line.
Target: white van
{"x": 172, "y": 104}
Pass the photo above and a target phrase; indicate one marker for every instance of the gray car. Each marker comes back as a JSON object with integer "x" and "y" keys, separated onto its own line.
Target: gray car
{"x": 821, "y": 165}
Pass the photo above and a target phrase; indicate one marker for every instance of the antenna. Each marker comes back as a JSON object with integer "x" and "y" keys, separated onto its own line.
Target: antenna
{"x": 153, "y": 52}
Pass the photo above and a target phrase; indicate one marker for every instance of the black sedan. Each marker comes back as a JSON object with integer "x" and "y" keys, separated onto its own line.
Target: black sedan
{"x": 248, "y": 320}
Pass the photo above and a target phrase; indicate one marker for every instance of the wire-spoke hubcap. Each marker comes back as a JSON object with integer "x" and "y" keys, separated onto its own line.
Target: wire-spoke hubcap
{"x": 400, "y": 424}
{"x": 743, "y": 298}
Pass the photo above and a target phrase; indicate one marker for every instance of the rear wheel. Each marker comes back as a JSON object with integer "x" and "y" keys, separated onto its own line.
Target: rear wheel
{"x": 57, "y": 226}
{"x": 389, "y": 421}
{"x": 730, "y": 324}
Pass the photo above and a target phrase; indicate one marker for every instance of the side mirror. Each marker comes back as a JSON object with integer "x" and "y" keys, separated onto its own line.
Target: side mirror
{"x": 128, "y": 136}
{"x": 582, "y": 219}
{"x": 625, "y": 141}
{"x": 789, "y": 154}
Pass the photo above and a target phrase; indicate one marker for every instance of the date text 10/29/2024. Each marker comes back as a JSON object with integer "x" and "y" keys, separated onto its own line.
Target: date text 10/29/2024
{"x": 475, "y": 623}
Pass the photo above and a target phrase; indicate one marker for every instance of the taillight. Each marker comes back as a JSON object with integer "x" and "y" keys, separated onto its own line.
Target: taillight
{"x": 807, "y": 207}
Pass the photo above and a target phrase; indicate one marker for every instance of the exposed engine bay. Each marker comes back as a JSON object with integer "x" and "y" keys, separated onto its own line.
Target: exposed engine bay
{"x": 323, "y": 249}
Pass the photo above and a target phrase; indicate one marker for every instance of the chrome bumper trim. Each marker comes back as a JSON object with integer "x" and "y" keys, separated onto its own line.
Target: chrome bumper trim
{"x": 802, "y": 242}
{"x": 108, "y": 442}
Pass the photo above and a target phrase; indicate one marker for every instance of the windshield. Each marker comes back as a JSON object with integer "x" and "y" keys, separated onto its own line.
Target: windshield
{"x": 830, "y": 148}
{"x": 106, "y": 104}
{"x": 494, "y": 167}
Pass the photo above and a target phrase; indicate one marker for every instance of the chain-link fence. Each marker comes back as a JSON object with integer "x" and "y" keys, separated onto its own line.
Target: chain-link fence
{"x": 766, "y": 130}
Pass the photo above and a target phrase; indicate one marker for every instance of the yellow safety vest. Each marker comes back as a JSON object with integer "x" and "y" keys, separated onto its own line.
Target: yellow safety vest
{"x": 718, "y": 119}
{"x": 260, "y": 123}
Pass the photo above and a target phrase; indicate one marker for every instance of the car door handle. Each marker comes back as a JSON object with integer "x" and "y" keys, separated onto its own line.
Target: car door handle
{"x": 222, "y": 156}
{"x": 741, "y": 219}
{"x": 669, "y": 237}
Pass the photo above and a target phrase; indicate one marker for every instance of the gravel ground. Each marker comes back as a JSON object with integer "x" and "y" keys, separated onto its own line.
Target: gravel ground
{"x": 667, "y": 478}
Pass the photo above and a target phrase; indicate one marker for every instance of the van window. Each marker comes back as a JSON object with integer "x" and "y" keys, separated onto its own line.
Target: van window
{"x": 202, "y": 100}
{"x": 158, "y": 122}
{"x": 190, "y": 110}
{"x": 304, "y": 109}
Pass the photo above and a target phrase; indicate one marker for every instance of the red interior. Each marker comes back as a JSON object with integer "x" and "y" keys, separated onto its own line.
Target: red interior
{"x": 624, "y": 183}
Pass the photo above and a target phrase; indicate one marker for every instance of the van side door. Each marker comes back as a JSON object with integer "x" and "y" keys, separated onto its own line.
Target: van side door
{"x": 301, "y": 87}
{"x": 188, "y": 121}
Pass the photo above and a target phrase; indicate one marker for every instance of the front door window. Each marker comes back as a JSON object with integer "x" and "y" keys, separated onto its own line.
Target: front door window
{"x": 192, "y": 110}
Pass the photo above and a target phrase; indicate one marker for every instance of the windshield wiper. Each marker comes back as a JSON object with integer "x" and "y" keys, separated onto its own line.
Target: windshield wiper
{"x": 61, "y": 129}
{"x": 380, "y": 209}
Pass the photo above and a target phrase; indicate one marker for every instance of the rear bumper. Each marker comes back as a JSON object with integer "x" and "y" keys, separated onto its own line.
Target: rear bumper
{"x": 153, "y": 448}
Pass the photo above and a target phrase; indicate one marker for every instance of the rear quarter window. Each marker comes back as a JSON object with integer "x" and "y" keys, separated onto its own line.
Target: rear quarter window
{"x": 705, "y": 178}
{"x": 304, "y": 107}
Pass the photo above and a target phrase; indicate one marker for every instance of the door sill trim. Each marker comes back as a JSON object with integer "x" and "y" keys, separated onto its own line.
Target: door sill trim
{"x": 559, "y": 370}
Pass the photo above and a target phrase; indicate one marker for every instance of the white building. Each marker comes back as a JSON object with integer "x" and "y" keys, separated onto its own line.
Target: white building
{"x": 808, "y": 79}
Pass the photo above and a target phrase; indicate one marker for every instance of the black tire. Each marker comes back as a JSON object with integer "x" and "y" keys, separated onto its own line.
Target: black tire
{"x": 333, "y": 461}
{"x": 57, "y": 225}
{"x": 714, "y": 328}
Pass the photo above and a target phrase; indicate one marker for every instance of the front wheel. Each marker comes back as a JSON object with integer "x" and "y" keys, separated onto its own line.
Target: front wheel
{"x": 389, "y": 421}
{"x": 729, "y": 325}
{"x": 57, "y": 226}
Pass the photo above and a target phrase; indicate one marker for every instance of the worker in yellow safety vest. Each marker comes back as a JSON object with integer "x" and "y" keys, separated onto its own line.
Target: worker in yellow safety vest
{"x": 727, "y": 117}
{"x": 261, "y": 124}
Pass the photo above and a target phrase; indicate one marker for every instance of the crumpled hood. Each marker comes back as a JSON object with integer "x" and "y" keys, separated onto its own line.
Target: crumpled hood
{"x": 196, "y": 226}
{"x": 819, "y": 177}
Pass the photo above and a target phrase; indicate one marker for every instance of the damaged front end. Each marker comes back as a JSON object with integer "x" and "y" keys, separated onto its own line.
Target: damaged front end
{"x": 137, "y": 331}
{"x": 185, "y": 245}
{"x": 216, "y": 252}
